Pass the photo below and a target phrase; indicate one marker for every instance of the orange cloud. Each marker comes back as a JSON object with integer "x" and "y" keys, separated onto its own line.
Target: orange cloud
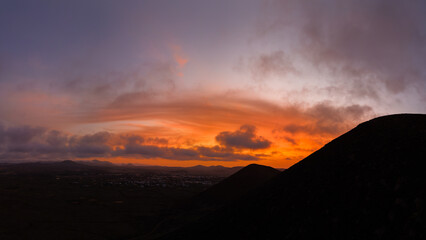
{"x": 288, "y": 132}
{"x": 179, "y": 56}
{"x": 156, "y": 129}
{"x": 29, "y": 143}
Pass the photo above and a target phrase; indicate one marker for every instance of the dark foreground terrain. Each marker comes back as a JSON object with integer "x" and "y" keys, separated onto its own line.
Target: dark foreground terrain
{"x": 369, "y": 183}
{"x": 93, "y": 200}
{"x": 221, "y": 194}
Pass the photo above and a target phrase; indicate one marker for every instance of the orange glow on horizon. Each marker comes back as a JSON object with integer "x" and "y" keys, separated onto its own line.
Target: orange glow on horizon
{"x": 185, "y": 131}
{"x": 281, "y": 154}
{"x": 190, "y": 127}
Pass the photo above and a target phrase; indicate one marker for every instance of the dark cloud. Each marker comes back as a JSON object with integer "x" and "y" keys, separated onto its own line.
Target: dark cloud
{"x": 2, "y": 135}
{"x": 22, "y": 135}
{"x": 152, "y": 151}
{"x": 326, "y": 112}
{"x": 291, "y": 140}
{"x": 30, "y": 143}
{"x": 244, "y": 138}
{"x": 218, "y": 152}
{"x": 157, "y": 141}
{"x": 369, "y": 45}
{"x": 91, "y": 145}
{"x": 215, "y": 153}
{"x": 131, "y": 139}
{"x": 131, "y": 98}
{"x": 57, "y": 138}
{"x": 326, "y": 119}
{"x": 275, "y": 63}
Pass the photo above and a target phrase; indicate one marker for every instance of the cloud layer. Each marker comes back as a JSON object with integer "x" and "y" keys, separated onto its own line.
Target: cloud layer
{"x": 365, "y": 47}
{"x": 25, "y": 143}
{"x": 286, "y": 132}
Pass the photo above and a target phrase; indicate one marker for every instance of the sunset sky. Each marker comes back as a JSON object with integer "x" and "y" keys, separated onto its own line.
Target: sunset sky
{"x": 182, "y": 83}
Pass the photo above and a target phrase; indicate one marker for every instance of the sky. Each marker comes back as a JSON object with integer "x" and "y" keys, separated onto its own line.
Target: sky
{"x": 182, "y": 83}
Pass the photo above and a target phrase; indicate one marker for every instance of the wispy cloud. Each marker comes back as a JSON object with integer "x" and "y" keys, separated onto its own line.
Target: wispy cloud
{"x": 179, "y": 56}
{"x": 364, "y": 47}
{"x": 184, "y": 138}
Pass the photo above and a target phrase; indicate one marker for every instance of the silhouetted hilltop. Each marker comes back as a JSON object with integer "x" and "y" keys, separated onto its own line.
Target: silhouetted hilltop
{"x": 228, "y": 190}
{"x": 69, "y": 162}
{"x": 99, "y": 163}
{"x": 238, "y": 184}
{"x": 219, "y": 171}
{"x": 213, "y": 170}
{"x": 369, "y": 183}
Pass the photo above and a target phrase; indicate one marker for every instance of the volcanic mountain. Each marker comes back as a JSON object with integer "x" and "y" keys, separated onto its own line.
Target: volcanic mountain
{"x": 238, "y": 184}
{"x": 369, "y": 183}
{"x": 228, "y": 190}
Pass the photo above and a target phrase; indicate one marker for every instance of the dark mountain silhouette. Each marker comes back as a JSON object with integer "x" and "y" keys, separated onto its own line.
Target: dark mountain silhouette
{"x": 224, "y": 192}
{"x": 237, "y": 184}
{"x": 96, "y": 162}
{"x": 69, "y": 166}
{"x": 69, "y": 162}
{"x": 219, "y": 171}
{"x": 369, "y": 183}
{"x": 66, "y": 166}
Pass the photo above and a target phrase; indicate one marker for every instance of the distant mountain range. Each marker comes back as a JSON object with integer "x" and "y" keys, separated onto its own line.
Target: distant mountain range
{"x": 369, "y": 183}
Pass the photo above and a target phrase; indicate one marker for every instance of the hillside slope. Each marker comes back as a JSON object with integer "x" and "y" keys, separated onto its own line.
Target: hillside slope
{"x": 228, "y": 190}
{"x": 369, "y": 183}
{"x": 238, "y": 184}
